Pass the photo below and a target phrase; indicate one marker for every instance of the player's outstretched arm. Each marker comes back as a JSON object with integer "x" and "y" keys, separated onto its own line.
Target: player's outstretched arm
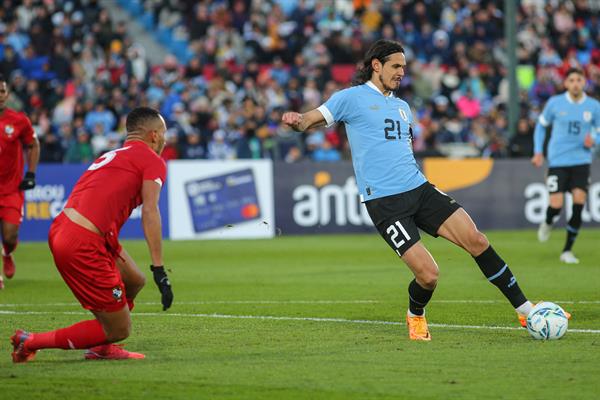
{"x": 301, "y": 122}
{"x": 151, "y": 222}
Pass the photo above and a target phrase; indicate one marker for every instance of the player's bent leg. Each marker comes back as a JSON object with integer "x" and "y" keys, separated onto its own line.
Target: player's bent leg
{"x": 117, "y": 326}
{"x": 133, "y": 278}
{"x": 460, "y": 229}
{"x": 420, "y": 289}
{"x": 573, "y": 225}
{"x": 10, "y": 236}
{"x": 552, "y": 213}
{"x": 81, "y": 335}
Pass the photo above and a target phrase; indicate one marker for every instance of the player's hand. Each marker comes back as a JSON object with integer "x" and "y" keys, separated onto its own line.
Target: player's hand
{"x": 537, "y": 160}
{"x": 588, "y": 142}
{"x": 28, "y": 181}
{"x": 292, "y": 119}
{"x": 164, "y": 286}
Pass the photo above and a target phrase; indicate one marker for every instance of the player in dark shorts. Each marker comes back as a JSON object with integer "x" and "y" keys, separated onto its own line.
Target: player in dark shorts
{"x": 398, "y": 197}
{"x": 575, "y": 120}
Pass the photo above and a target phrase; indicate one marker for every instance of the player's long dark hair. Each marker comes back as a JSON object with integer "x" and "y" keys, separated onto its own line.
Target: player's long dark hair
{"x": 380, "y": 50}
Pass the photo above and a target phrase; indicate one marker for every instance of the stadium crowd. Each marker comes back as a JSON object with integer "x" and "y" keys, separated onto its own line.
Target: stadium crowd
{"x": 76, "y": 74}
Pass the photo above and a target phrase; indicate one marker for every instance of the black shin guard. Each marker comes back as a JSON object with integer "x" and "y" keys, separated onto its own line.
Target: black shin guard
{"x": 418, "y": 297}
{"x": 551, "y": 213}
{"x": 498, "y": 273}
{"x": 573, "y": 227}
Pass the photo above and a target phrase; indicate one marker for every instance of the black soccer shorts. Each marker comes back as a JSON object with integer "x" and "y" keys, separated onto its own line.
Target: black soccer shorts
{"x": 565, "y": 179}
{"x": 399, "y": 217}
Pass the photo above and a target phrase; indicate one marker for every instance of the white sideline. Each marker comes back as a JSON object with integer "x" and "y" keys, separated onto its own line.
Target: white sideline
{"x": 153, "y": 303}
{"x": 277, "y": 318}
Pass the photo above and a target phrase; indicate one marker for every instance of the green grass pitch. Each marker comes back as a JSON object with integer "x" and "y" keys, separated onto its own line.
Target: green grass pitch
{"x": 317, "y": 317}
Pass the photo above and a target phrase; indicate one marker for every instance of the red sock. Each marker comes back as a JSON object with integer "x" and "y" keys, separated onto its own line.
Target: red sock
{"x": 9, "y": 247}
{"x": 82, "y": 335}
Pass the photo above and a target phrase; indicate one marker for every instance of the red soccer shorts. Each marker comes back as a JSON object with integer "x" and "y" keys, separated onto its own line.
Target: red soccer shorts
{"x": 86, "y": 265}
{"x": 11, "y": 207}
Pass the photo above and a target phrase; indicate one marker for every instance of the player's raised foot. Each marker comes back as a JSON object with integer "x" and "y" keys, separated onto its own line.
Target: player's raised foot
{"x": 569, "y": 258}
{"x": 543, "y": 232}
{"x": 523, "y": 318}
{"x": 417, "y": 328}
{"x": 8, "y": 265}
{"x": 20, "y": 352}
{"x": 110, "y": 352}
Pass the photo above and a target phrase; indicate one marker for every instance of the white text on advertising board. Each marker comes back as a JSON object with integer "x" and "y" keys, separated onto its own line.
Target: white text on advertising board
{"x": 317, "y": 206}
{"x": 536, "y": 202}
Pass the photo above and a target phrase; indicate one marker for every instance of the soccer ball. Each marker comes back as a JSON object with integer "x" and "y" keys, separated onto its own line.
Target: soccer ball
{"x": 547, "y": 321}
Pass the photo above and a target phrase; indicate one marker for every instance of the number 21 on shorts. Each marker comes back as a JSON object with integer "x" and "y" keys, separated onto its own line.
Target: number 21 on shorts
{"x": 398, "y": 235}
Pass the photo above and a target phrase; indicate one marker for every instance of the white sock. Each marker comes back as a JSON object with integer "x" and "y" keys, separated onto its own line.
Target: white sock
{"x": 414, "y": 315}
{"x": 525, "y": 308}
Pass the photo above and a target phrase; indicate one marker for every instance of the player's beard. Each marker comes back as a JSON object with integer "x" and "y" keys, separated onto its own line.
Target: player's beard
{"x": 387, "y": 88}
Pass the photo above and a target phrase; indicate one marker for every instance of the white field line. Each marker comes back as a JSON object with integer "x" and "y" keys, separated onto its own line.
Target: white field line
{"x": 283, "y": 318}
{"x": 152, "y": 303}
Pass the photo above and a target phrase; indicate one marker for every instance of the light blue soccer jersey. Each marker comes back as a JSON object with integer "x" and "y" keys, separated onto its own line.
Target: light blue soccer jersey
{"x": 378, "y": 129}
{"x": 571, "y": 121}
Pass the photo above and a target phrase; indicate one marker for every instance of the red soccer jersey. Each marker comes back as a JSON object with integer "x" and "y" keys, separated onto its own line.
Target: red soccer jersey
{"x": 112, "y": 186}
{"x": 15, "y": 131}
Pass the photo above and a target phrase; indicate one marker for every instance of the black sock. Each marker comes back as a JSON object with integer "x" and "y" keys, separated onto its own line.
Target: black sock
{"x": 551, "y": 213}
{"x": 498, "y": 273}
{"x": 573, "y": 227}
{"x": 418, "y": 297}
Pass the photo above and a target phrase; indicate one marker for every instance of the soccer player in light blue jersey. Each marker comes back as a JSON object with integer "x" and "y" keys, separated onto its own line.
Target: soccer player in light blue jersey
{"x": 397, "y": 195}
{"x": 575, "y": 120}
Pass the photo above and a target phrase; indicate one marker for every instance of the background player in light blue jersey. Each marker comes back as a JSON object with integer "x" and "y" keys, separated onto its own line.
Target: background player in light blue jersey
{"x": 398, "y": 197}
{"x": 575, "y": 120}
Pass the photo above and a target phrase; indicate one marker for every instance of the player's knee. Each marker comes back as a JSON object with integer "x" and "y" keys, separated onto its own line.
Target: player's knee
{"x": 428, "y": 277}
{"x": 119, "y": 332}
{"x": 429, "y": 280}
{"x": 477, "y": 243}
{"x": 10, "y": 238}
{"x": 139, "y": 282}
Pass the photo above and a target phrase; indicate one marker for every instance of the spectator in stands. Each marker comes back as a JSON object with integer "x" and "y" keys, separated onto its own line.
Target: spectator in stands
{"x": 282, "y": 54}
{"x": 521, "y": 145}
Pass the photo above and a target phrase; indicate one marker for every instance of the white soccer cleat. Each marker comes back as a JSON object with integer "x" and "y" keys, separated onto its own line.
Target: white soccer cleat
{"x": 544, "y": 232}
{"x": 569, "y": 258}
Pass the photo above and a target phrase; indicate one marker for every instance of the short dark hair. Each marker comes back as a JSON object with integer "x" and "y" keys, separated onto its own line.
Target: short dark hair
{"x": 380, "y": 50}
{"x": 139, "y": 117}
{"x": 2, "y": 78}
{"x": 574, "y": 70}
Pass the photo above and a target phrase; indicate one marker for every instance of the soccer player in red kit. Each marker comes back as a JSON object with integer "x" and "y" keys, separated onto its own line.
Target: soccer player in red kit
{"x": 84, "y": 242}
{"x": 16, "y": 137}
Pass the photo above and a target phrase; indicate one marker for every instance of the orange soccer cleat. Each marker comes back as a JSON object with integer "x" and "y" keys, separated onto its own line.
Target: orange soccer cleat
{"x": 20, "y": 352}
{"x": 417, "y": 328}
{"x": 110, "y": 352}
{"x": 523, "y": 318}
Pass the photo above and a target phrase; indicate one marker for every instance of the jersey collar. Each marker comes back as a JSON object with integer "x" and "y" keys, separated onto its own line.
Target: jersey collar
{"x": 372, "y": 86}
{"x": 570, "y": 99}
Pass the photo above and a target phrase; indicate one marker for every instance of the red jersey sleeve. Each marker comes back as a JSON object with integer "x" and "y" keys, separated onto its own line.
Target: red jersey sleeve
{"x": 26, "y": 133}
{"x": 156, "y": 171}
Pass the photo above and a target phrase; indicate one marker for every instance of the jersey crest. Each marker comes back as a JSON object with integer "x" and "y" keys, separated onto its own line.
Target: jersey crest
{"x": 587, "y": 116}
{"x": 9, "y": 130}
